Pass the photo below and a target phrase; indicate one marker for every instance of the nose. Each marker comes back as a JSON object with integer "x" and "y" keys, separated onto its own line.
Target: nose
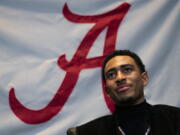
{"x": 120, "y": 78}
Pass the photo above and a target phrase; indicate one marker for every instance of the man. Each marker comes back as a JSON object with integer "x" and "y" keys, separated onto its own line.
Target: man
{"x": 125, "y": 77}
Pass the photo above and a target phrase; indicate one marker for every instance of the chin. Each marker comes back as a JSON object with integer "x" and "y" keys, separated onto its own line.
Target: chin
{"x": 127, "y": 101}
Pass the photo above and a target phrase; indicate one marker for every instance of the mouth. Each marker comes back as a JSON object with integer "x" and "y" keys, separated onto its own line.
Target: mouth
{"x": 123, "y": 88}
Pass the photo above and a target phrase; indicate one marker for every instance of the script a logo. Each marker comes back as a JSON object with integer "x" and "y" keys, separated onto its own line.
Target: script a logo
{"x": 110, "y": 20}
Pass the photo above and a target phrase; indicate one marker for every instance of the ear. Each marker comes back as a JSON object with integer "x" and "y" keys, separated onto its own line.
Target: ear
{"x": 145, "y": 78}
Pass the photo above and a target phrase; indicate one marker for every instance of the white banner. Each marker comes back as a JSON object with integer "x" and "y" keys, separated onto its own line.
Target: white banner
{"x": 51, "y": 53}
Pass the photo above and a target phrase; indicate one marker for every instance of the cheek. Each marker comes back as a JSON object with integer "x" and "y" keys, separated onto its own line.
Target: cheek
{"x": 139, "y": 85}
{"x": 135, "y": 80}
{"x": 109, "y": 83}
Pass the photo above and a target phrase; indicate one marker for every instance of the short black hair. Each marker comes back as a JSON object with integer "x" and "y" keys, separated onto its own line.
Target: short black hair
{"x": 133, "y": 55}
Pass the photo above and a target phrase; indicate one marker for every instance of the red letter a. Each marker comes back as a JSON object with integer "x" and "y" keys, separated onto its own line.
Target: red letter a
{"x": 110, "y": 20}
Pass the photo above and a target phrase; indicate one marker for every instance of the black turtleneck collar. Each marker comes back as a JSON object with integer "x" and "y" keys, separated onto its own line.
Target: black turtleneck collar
{"x": 134, "y": 120}
{"x": 132, "y": 109}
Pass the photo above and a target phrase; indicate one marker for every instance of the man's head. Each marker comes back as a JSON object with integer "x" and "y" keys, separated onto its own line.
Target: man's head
{"x": 124, "y": 76}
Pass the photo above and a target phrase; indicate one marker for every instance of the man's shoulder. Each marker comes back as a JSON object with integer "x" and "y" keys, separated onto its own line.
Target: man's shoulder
{"x": 97, "y": 121}
{"x": 98, "y": 126}
{"x": 91, "y": 127}
{"x": 168, "y": 115}
{"x": 171, "y": 113}
{"x": 166, "y": 108}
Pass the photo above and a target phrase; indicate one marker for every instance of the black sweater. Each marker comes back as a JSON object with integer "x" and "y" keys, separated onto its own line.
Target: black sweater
{"x": 163, "y": 120}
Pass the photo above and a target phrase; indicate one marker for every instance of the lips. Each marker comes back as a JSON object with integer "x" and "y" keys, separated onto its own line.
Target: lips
{"x": 123, "y": 88}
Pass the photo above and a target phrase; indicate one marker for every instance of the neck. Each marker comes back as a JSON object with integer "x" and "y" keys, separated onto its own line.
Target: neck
{"x": 132, "y": 108}
{"x": 130, "y": 103}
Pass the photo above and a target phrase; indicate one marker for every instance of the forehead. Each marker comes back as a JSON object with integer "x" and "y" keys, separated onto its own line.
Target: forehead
{"x": 120, "y": 61}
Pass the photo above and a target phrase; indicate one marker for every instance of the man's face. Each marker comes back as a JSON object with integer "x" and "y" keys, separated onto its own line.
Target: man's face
{"x": 124, "y": 81}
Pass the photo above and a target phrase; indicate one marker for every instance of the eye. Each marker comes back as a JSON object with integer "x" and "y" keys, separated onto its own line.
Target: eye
{"x": 111, "y": 75}
{"x": 127, "y": 70}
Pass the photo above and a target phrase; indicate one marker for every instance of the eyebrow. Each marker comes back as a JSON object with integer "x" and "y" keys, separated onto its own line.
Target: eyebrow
{"x": 119, "y": 67}
{"x": 127, "y": 65}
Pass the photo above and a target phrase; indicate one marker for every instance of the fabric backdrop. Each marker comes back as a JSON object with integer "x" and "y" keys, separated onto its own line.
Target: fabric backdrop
{"x": 51, "y": 53}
